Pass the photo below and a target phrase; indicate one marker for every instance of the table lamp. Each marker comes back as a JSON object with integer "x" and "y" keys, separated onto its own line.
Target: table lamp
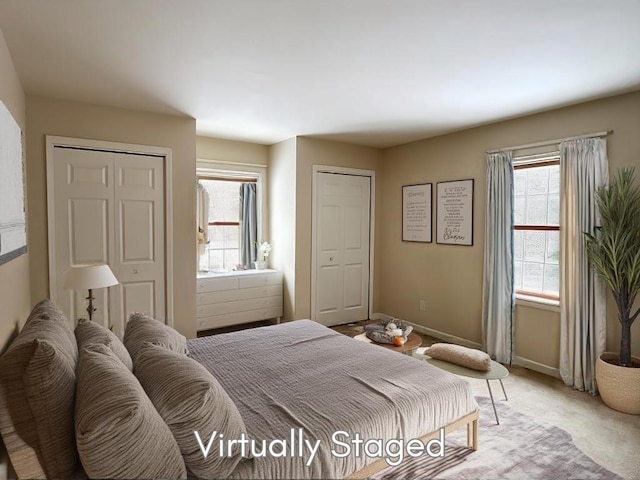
{"x": 88, "y": 277}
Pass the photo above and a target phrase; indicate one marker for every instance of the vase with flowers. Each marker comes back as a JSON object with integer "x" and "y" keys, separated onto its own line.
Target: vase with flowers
{"x": 264, "y": 249}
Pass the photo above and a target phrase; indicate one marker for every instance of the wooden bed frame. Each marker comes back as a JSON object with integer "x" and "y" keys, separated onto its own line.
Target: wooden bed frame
{"x": 471, "y": 422}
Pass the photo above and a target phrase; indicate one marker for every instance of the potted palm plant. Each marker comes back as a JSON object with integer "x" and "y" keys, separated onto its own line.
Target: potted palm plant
{"x": 614, "y": 252}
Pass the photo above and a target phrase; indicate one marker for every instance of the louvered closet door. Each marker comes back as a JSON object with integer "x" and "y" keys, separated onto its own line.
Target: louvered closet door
{"x": 109, "y": 208}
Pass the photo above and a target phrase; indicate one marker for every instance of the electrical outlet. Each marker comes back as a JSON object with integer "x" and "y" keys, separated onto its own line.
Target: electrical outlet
{"x": 423, "y": 305}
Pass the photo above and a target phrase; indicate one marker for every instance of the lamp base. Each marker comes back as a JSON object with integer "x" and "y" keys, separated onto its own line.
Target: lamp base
{"x": 90, "y": 308}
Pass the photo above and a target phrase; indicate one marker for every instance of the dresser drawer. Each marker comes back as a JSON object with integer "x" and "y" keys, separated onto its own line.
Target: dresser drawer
{"x": 217, "y": 284}
{"x": 218, "y": 321}
{"x": 235, "y": 295}
{"x": 260, "y": 280}
{"x": 235, "y": 298}
{"x": 236, "y": 307}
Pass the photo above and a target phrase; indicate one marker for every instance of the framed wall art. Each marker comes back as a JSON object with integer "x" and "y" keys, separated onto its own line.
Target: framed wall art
{"x": 416, "y": 213}
{"x": 13, "y": 232}
{"x": 454, "y": 206}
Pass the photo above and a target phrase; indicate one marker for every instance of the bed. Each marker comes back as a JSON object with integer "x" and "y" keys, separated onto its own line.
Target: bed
{"x": 314, "y": 378}
{"x": 82, "y": 404}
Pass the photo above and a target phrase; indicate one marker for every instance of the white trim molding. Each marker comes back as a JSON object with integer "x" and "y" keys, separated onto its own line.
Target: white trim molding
{"x": 445, "y": 336}
{"x": 541, "y": 303}
{"x": 372, "y": 225}
{"x": 52, "y": 142}
{"x": 432, "y": 332}
{"x": 516, "y": 360}
{"x": 535, "y": 366}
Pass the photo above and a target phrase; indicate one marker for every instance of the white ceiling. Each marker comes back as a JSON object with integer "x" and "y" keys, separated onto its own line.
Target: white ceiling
{"x": 373, "y": 72}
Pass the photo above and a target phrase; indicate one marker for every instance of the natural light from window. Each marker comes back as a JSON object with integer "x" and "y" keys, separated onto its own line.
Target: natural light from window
{"x": 537, "y": 229}
{"x": 223, "y": 250}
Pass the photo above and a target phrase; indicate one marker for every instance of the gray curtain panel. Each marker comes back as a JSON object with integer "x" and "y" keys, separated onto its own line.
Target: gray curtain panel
{"x": 202, "y": 219}
{"x": 498, "y": 288}
{"x": 583, "y": 168}
{"x": 248, "y": 224}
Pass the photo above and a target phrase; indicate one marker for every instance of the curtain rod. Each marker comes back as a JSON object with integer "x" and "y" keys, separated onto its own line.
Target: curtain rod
{"x": 604, "y": 133}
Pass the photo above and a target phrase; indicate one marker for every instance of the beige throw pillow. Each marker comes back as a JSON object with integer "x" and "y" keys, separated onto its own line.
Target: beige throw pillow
{"x": 37, "y": 393}
{"x": 88, "y": 332}
{"x": 142, "y": 328}
{"x": 119, "y": 432}
{"x": 190, "y": 399}
{"x": 466, "y": 357}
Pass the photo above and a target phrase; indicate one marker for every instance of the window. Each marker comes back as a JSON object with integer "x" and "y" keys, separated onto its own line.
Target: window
{"x": 537, "y": 227}
{"x": 223, "y": 250}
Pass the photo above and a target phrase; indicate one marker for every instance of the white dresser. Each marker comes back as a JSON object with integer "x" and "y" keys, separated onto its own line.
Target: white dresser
{"x": 232, "y": 298}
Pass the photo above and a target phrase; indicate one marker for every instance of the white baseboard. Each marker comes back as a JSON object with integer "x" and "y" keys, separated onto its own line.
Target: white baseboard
{"x": 536, "y": 366}
{"x": 445, "y": 336}
{"x": 433, "y": 333}
{"x": 381, "y": 316}
{"x": 520, "y": 361}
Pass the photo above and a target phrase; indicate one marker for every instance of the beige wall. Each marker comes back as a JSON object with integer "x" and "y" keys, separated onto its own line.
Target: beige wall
{"x": 15, "y": 299}
{"x": 208, "y": 148}
{"x": 71, "y": 119}
{"x": 449, "y": 278}
{"x": 537, "y": 335}
{"x": 290, "y": 176}
{"x": 281, "y": 180}
{"x": 310, "y": 152}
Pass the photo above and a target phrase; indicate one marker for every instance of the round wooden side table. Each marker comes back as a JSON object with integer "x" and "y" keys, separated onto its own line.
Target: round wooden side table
{"x": 413, "y": 341}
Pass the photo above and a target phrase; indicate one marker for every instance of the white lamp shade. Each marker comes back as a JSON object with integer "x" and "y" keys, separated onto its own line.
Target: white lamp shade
{"x": 85, "y": 277}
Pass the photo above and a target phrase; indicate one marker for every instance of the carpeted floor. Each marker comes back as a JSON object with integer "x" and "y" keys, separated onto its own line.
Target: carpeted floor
{"x": 609, "y": 438}
{"x": 519, "y": 448}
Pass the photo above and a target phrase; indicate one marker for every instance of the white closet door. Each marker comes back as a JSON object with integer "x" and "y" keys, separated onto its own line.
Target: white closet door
{"x": 109, "y": 208}
{"x": 139, "y": 231}
{"x": 342, "y": 248}
{"x": 83, "y": 212}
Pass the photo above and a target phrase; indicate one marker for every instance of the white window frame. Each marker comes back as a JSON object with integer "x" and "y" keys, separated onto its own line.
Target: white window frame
{"x": 233, "y": 169}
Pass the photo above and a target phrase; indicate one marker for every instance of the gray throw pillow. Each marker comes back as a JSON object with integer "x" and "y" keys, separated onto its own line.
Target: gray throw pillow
{"x": 119, "y": 433}
{"x": 142, "y": 328}
{"x": 190, "y": 399}
{"x": 37, "y": 393}
{"x": 88, "y": 332}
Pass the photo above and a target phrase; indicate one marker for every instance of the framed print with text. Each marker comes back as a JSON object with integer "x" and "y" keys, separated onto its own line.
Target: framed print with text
{"x": 416, "y": 213}
{"x": 454, "y": 212}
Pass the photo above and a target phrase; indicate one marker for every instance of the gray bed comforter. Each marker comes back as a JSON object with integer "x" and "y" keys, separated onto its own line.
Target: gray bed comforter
{"x": 302, "y": 375}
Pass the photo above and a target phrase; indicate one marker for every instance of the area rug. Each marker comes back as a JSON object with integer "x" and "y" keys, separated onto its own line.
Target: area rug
{"x": 519, "y": 448}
